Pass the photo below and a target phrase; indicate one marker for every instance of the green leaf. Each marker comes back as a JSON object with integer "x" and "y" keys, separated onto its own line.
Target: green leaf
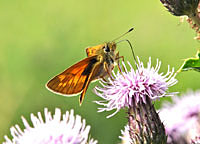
{"x": 191, "y": 64}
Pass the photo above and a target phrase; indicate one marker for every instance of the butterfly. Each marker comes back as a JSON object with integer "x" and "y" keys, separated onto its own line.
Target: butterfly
{"x": 75, "y": 80}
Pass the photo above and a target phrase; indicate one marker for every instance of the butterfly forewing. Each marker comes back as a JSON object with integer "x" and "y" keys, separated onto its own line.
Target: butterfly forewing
{"x": 74, "y": 79}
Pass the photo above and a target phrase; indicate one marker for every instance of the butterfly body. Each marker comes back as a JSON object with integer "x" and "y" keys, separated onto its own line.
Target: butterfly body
{"x": 106, "y": 58}
{"x": 99, "y": 63}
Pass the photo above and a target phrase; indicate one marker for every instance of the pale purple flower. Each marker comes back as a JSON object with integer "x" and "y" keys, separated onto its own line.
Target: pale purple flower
{"x": 182, "y": 118}
{"x": 196, "y": 140}
{"x": 131, "y": 87}
{"x": 126, "y": 139}
{"x": 59, "y": 129}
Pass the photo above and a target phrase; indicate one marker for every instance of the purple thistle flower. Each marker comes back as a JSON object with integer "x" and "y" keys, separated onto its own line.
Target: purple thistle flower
{"x": 126, "y": 139}
{"x": 182, "y": 118}
{"x": 196, "y": 140}
{"x": 53, "y": 130}
{"x": 132, "y": 87}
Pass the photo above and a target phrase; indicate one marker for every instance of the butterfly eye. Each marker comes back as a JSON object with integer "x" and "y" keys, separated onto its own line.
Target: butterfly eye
{"x": 107, "y": 49}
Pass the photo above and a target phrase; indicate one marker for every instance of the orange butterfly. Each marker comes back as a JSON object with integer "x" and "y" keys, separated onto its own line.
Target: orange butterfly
{"x": 75, "y": 80}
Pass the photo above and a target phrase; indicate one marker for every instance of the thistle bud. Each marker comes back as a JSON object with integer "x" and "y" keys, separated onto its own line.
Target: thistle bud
{"x": 145, "y": 125}
{"x": 181, "y": 7}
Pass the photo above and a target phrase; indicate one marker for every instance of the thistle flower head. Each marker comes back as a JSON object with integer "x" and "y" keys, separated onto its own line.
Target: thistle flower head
{"x": 181, "y": 7}
{"x": 181, "y": 119}
{"x": 132, "y": 87}
{"x": 53, "y": 130}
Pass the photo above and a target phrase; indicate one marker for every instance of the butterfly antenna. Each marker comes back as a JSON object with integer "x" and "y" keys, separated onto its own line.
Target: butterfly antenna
{"x": 134, "y": 57}
{"x": 123, "y": 34}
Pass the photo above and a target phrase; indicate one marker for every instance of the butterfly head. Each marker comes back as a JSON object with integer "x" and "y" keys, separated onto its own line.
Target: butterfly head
{"x": 109, "y": 47}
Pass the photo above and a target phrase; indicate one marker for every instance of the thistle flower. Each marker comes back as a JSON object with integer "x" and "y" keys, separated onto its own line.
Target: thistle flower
{"x": 196, "y": 140}
{"x": 133, "y": 87}
{"x": 182, "y": 118}
{"x": 54, "y": 130}
{"x": 136, "y": 89}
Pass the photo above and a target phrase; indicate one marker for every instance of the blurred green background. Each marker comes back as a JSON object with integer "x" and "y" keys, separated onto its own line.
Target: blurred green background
{"x": 39, "y": 39}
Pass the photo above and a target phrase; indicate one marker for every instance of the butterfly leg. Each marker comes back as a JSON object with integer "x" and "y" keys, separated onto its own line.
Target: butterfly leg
{"x": 105, "y": 80}
{"x": 118, "y": 64}
{"x": 107, "y": 70}
{"x": 119, "y": 57}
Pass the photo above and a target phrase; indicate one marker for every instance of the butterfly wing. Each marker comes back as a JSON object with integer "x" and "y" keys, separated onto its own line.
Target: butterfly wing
{"x": 75, "y": 79}
{"x": 93, "y": 76}
{"x": 95, "y": 50}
